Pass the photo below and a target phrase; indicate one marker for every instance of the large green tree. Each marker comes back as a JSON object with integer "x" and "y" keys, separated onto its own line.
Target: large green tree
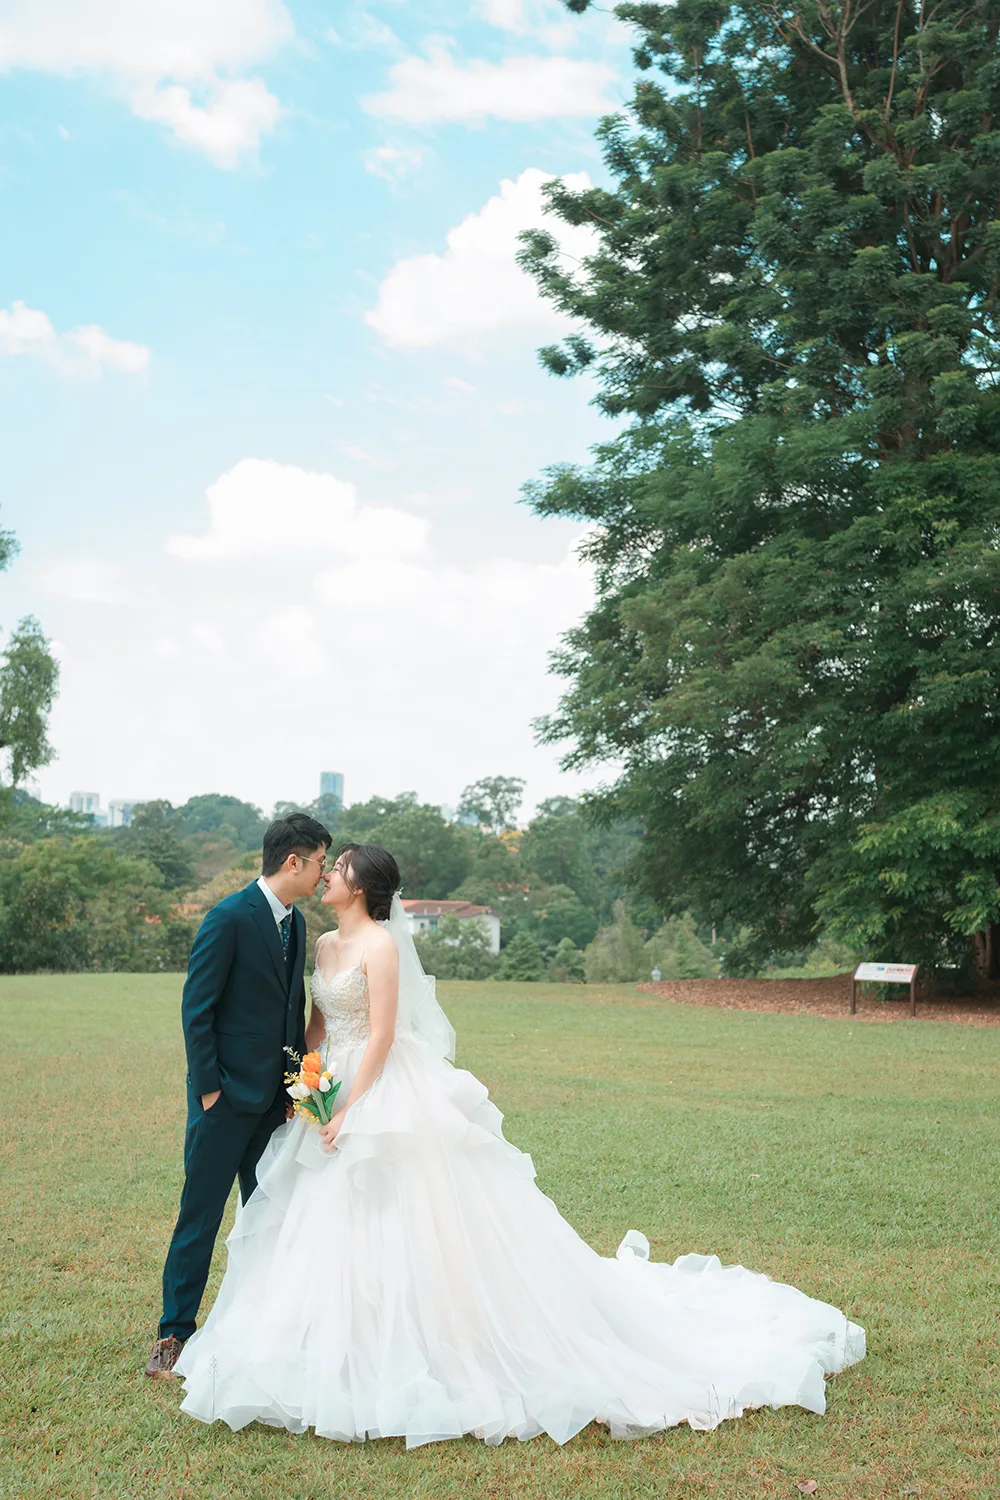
{"x": 791, "y": 307}
{"x": 493, "y": 801}
{"x": 227, "y": 817}
{"x": 155, "y": 835}
{"x": 28, "y": 680}
{"x": 556, "y": 846}
{"x": 29, "y": 677}
{"x": 79, "y": 903}
{"x": 433, "y": 856}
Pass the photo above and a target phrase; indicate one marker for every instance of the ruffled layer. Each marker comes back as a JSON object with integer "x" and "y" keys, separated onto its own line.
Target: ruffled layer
{"x": 416, "y": 1283}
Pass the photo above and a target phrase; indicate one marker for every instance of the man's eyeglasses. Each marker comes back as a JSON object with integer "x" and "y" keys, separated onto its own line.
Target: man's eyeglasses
{"x": 315, "y": 859}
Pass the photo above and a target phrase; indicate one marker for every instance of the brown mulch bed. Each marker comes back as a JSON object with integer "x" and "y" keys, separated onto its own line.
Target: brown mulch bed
{"x": 826, "y": 997}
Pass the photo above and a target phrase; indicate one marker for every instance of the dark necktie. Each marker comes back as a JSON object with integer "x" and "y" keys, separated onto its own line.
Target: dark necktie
{"x": 286, "y": 926}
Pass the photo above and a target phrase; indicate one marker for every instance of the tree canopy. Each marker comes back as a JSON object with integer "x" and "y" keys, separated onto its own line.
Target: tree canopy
{"x": 133, "y": 896}
{"x": 433, "y": 855}
{"x": 80, "y": 904}
{"x": 28, "y": 680}
{"x": 794, "y": 657}
{"x": 225, "y": 816}
{"x": 493, "y": 801}
{"x": 29, "y": 677}
{"x": 156, "y": 835}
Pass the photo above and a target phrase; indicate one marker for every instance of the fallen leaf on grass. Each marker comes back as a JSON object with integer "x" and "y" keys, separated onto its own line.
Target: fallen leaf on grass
{"x": 912, "y": 1489}
{"x": 807, "y": 1486}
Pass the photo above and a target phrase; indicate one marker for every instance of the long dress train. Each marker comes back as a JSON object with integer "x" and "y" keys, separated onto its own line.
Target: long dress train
{"x": 417, "y": 1283}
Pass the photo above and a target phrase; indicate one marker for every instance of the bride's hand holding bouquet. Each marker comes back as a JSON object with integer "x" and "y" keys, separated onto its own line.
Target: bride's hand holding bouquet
{"x": 328, "y": 1133}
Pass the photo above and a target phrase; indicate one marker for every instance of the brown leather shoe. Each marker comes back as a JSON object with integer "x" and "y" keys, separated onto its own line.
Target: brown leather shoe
{"x": 163, "y": 1356}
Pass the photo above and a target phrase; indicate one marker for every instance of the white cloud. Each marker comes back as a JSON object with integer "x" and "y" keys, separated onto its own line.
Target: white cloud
{"x": 361, "y": 455}
{"x": 384, "y": 582}
{"x": 508, "y": 15}
{"x": 454, "y": 383}
{"x": 436, "y": 87}
{"x": 262, "y": 509}
{"x": 393, "y": 162}
{"x": 186, "y": 38}
{"x": 476, "y": 287}
{"x": 290, "y": 641}
{"x": 544, "y": 20}
{"x": 161, "y": 58}
{"x": 85, "y": 351}
{"x": 227, "y": 127}
{"x": 103, "y": 351}
{"x": 25, "y": 330}
{"x": 365, "y": 32}
{"x": 208, "y": 638}
{"x": 85, "y": 580}
{"x": 463, "y": 607}
{"x": 397, "y": 665}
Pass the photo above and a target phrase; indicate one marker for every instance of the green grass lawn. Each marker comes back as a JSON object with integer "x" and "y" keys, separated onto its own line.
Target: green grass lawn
{"x": 858, "y": 1161}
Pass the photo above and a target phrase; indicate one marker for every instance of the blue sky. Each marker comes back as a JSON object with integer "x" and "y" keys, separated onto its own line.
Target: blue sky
{"x": 269, "y": 386}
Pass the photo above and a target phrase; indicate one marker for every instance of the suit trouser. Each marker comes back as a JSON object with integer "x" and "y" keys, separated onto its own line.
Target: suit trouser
{"x": 219, "y": 1146}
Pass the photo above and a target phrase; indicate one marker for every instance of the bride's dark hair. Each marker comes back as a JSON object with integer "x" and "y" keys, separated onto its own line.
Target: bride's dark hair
{"x": 371, "y": 869}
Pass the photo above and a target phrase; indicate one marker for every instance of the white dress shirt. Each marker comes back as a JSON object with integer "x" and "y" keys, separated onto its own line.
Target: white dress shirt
{"x": 278, "y": 911}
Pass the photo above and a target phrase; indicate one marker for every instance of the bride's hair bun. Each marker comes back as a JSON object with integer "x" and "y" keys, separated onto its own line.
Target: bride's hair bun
{"x": 372, "y": 869}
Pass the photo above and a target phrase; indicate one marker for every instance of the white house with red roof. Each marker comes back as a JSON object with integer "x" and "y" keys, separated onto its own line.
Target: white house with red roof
{"x": 426, "y": 915}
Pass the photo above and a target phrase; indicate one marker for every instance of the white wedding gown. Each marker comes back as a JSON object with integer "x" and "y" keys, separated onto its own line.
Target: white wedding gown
{"x": 416, "y": 1283}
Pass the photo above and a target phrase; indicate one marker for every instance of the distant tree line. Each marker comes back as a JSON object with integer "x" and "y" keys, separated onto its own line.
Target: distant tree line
{"x": 77, "y": 897}
{"x": 73, "y": 896}
{"x": 560, "y": 885}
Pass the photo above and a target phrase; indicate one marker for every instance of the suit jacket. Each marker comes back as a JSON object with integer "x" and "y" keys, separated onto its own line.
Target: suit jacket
{"x": 242, "y": 1002}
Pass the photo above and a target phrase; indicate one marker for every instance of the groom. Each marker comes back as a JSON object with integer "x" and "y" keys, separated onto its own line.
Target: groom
{"x": 244, "y": 1002}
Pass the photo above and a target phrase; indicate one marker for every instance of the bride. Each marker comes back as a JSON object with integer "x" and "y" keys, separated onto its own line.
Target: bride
{"x": 397, "y": 1273}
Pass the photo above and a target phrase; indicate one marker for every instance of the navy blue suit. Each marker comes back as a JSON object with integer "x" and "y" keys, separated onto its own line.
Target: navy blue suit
{"x": 244, "y": 1002}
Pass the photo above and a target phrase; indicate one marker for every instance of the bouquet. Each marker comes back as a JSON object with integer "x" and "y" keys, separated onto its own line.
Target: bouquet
{"x": 312, "y": 1088}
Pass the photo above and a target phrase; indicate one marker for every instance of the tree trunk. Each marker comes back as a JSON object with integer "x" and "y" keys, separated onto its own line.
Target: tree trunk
{"x": 988, "y": 952}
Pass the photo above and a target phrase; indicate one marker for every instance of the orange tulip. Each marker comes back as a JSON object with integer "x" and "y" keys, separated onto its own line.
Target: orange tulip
{"x": 311, "y": 1080}
{"x": 312, "y": 1063}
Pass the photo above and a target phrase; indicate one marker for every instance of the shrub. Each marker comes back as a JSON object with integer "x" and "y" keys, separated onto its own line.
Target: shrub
{"x": 618, "y": 953}
{"x": 79, "y": 904}
{"x": 566, "y": 963}
{"x": 522, "y": 959}
{"x": 459, "y": 949}
{"x": 678, "y": 952}
{"x": 559, "y": 914}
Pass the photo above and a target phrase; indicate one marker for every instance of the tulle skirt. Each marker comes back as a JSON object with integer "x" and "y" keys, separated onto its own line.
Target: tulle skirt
{"x": 416, "y": 1283}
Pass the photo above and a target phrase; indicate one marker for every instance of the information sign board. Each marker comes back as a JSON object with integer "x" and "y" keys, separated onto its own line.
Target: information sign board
{"x": 885, "y": 974}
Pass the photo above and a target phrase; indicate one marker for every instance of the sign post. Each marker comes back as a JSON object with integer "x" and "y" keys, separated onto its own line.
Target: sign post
{"x": 885, "y": 974}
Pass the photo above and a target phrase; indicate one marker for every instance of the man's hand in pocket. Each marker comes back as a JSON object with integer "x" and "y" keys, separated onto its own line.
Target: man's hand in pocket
{"x": 207, "y": 1100}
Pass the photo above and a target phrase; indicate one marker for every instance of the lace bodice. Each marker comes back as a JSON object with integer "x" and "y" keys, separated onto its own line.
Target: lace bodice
{"x": 343, "y": 999}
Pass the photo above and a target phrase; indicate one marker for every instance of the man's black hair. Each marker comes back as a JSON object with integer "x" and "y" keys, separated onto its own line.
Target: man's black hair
{"x": 297, "y": 833}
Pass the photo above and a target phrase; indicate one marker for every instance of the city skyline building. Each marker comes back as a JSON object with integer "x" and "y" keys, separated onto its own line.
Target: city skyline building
{"x": 86, "y": 802}
{"x": 120, "y": 810}
{"x": 331, "y": 784}
{"x": 117, "y": 814}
